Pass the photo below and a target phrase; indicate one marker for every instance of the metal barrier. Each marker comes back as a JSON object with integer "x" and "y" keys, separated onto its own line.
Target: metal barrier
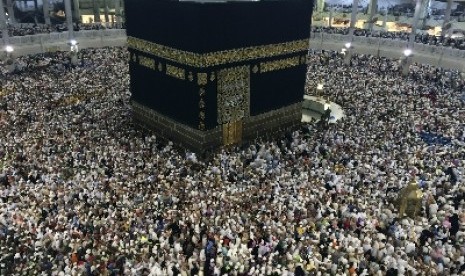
{"x": 387, "y": 42}
{"x": 19, "y": 41}
{"x": 391, "y": 48}
{"x": 423, "y": 53}
{"x": 52, "y": 42}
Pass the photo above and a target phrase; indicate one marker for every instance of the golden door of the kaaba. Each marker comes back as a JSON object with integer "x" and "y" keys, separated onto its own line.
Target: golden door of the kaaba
{"x": 233, "y": 102}
{"x": 232, "y": 133}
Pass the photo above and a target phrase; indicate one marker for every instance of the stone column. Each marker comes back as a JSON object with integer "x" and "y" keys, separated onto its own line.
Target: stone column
{"x": 446, "y": 18}
{"x": 4, "y": 26}
{"x": 320, "y": 5}
{"x": 416, "y": 18}
{"x": 348, "y": 56}
{"x": 96, "y": 7}
{"x": 36, "y": 11}
{"x": 76, "y": 11}
{"x": 424, "y": 12}
{"x": 405, "y": 65}
{"x": 11, "y": 11}
{"x": 373, "y": 11}
{"x": 69, "y": 19}
{"x": 74, "y": 58}
{"x": 330, "y": 23}
{"x": 353, "y": 19}
{"x": 385, "y": 21}
{"x": 46, "y": 9}
{"x": 106, "y": 11}
{"x": 407, "y": 60}
{"x": 118, "y": 13}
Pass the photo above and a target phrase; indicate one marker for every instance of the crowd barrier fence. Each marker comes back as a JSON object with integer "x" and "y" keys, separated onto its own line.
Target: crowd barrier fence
{"x": 423, "y": 53}
{"x": 446, "y": 57}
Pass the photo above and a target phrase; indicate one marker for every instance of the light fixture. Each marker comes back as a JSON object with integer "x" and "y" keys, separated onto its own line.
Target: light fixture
{"x": 73, "y": 42}
{"x": 319, "y": 86}
{"x": 407, "y": 52}
{"x": 9, "y": 49}
{"x": 348, "y": 45}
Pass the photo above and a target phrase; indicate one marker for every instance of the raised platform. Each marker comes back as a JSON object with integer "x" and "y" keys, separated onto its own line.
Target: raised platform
{"x": 313, "y": 107}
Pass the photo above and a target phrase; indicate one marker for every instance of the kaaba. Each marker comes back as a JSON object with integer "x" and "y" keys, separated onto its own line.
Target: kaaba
{"x": 212, "y": 73}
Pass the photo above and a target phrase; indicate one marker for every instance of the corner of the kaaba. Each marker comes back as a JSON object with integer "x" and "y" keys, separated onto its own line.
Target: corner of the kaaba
{"x": 212, "y": 74}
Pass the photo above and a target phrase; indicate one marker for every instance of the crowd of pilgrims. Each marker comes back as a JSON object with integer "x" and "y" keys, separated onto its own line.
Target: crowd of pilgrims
{"x": 84, "y": 192}
{"x": 424, "y": 38}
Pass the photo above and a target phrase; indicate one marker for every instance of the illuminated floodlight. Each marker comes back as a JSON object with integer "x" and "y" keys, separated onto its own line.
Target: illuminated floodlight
{"x": 407, "y": 52}
{"x": 348, "y": 45}
{"x": 319, "y": 86}
{"x": 9, "y": 49}
{"x": 73, "y": 42}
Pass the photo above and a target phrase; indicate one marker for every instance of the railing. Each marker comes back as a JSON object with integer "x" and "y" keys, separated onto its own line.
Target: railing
{"x": 391, "y": 48}
{"x": 446, "y": 57}
{"x": 52, "y": 42}
{"x": 387, "y": 42}
{"x": 55, "y": 37}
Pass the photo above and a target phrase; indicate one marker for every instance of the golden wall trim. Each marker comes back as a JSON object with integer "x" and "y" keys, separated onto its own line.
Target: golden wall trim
{"x": 218, "y": 57}
{"x": 202, "y": 78}
{"x": 279, "y": 64}
{"x": 147, "y": 62}
{"x": 175, "y": 72}
{"x": 233, "y": 94}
